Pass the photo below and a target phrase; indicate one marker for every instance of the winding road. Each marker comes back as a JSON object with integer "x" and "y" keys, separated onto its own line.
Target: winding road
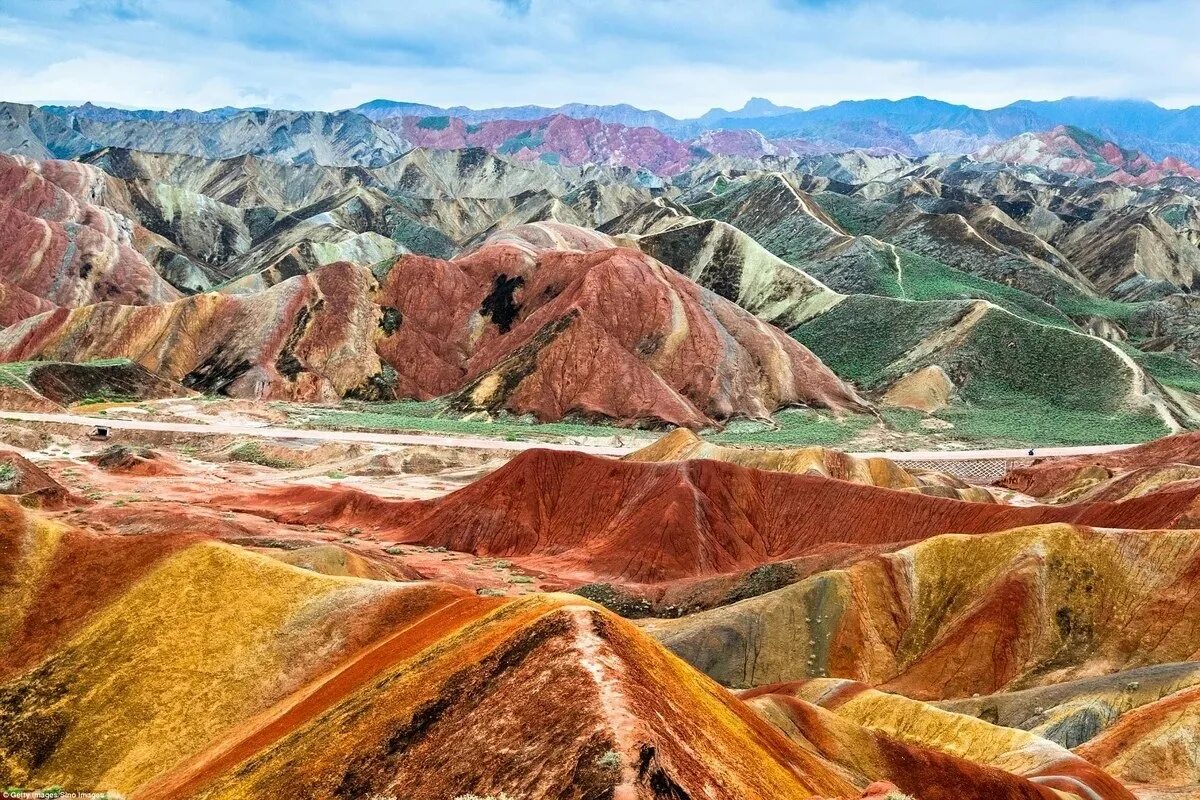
{"x": 485, "y": 443}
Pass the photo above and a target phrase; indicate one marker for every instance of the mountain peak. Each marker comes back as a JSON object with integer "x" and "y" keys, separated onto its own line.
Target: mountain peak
{"x": 761, "y": 106}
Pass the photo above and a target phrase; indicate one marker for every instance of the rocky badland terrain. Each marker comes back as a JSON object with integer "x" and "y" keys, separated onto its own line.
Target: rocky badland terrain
{"x": 242, "y": 618}
{"x": 194, "y": 608}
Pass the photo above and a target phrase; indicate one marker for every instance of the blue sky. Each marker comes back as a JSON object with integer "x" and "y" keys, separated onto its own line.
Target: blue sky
{"x": 681, "y": 56}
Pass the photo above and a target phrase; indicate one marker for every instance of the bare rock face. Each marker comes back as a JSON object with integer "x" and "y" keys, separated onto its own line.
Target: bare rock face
{"x": 1134, "y": 255}
{"x": 684, "y": 445}
{"x": 610, "y": 333}
{"x": 928, "y": 389}
{"x": 547, "y": 319}
{"x": 300, "y": 137}
{"x": 65, "y": 250}
{"x": 1076, "y": 152}
{"x": 310, "y": 337}
{"x": 555, "y": 139}
{"x": 28, "y": 482}
{"x": 17, "y": 304}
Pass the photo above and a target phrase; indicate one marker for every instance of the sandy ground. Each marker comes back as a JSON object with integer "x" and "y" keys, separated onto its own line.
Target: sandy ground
{"x": 233, "y": 426}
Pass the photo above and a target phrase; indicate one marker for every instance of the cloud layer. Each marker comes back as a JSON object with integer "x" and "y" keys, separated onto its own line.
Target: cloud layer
{"x": 681, "y": 57}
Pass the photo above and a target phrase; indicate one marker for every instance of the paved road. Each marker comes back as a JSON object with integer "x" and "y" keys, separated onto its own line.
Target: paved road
{"x": 266, "y": 432}
{"x": 994, "y": 455}
{"x": 484, "y": 443}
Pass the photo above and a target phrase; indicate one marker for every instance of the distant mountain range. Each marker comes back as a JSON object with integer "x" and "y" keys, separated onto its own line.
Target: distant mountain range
{"x": 577, "y": 136}
{"x": 927, "y": 125}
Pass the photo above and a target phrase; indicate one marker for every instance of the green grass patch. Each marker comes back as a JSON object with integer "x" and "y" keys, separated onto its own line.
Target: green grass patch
{"x": 1021, "y": 421}
{"x": 1174, "y": 216}
{"x": 252, "y": 453}
{"x": 105, "y": 397}
{"x": 433, "y": 416}
{"x": 902, "y": 419}
{"x": 796, "y": 427}
{"x": 16, "y": 374}
{"x": 928, "y": 279}
{"x": 859, "y": 337}
{"x": 855, "y": 215}
{"x": 525, "y": 140}
{"x": 1008, "y": 357}
{"x": 1078, "y": 305}
{"x": 8, "y": 474}
{"x": 1169, "y": 369}
{"x": 434, "y": 123}
{"x": 420, "y": 238}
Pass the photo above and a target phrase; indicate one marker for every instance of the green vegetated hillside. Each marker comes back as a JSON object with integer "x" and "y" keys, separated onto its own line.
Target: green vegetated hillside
{"x": 1018, "y": 351}
{"x": 1016, "y": 379}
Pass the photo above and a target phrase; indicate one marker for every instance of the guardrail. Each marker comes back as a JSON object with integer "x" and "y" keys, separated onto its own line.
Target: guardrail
{"x": 981, "y": 471}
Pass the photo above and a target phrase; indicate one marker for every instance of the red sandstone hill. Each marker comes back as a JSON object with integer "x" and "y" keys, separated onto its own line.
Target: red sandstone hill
{"x": 556, "y": 139}
{"x": 635, "y": 522}
{"x": 222, "y": 673}
{"x": 17, "y": 304}
{"x": 1056, "y": 474}
{"x": 308, "y": 338}
{"x": 609, "y": 333}
{"x": 30, "y": 484}
{"x": 64, "y": 250}
{"x": 924, "y": 751}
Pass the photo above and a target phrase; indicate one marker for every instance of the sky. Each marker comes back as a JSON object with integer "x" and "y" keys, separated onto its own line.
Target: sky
{"x": 679, "y": 56}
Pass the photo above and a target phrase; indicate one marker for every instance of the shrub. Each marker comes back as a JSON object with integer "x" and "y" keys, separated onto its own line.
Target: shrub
{"x": 252, "y": 452}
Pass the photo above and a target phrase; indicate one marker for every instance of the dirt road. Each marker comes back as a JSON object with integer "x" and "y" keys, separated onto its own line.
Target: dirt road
{"x": 484, "y": 443}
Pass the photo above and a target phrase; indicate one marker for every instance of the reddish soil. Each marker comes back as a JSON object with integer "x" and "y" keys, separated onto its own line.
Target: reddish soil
{"x": 66, "y": 251}
{"x": 17, "y": 304}
{"x": 84, "y": 574}
{"x": 1047, "y": 476}
{"x": 593, "y": 518}
{"x": 610, "y": 333}
{"x": 30, "y": 484}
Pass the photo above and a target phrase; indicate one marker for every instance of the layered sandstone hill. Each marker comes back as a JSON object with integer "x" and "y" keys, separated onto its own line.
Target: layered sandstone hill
{"x": 954, "y": 616}
{"x": 17, "y": 304}
{"x": 310, "y": 337}
{"x": 925, "y": 751}
{"x": 1149, "y": 747}
{"x": 62, "y": 248}
{"x": 62, "y": 384}
{"x": 1162, "y": 461}
{"x": 553, "y": 320}
{"x": 266, "y": 679}
{"x": 32, "y": 486}
{"x": 684, "y": 445}
{"x": 639, "y": 522}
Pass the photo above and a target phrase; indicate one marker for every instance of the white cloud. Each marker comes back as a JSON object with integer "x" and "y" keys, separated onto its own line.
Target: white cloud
{"x": 681, "y": 57}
